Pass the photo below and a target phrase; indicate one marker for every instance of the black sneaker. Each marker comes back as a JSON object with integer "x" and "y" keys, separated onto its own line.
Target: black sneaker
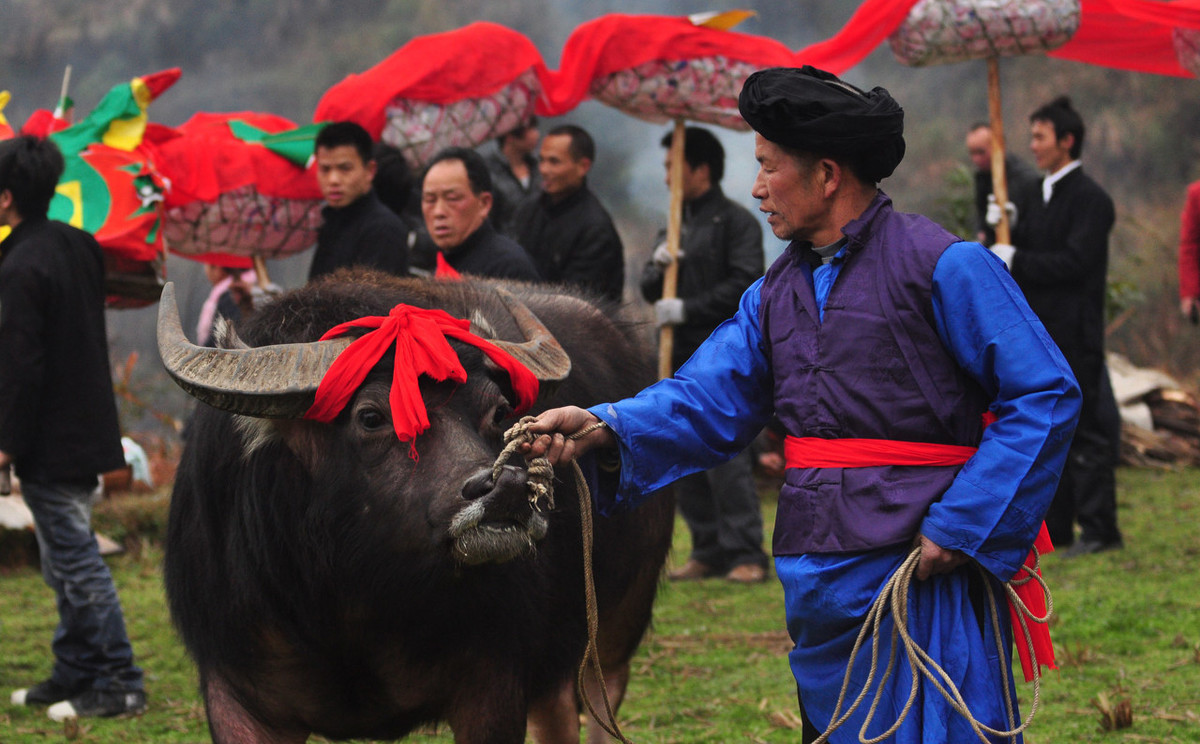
{"x": 1089, "y": 547}
{"x": 46, "y": 692}
{"x": 99, "y": 704}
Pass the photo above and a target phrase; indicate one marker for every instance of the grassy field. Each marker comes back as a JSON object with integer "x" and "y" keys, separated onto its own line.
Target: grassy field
{"x": 714, "y": 669}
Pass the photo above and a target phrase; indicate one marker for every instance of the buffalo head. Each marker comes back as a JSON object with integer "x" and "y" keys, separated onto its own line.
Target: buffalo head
{"x": 435, "y": 491}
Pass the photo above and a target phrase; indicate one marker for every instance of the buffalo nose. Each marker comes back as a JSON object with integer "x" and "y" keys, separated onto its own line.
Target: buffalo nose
{"x": 511, "y": 483}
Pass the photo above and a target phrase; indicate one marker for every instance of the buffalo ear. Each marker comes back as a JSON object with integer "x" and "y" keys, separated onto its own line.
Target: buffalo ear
{"x": 302, "y": 438}
{"x": 307, "y": 440}
{"x": 225, "y": 336}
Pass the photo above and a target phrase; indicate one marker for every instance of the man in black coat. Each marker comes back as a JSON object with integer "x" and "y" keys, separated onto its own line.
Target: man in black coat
{"x": 719, "y": 257}
{"x": 1023, "y": 182}
{"x": 565, "y": 229}
{"x": 359, "y": 230}
{"x": 514, "y": 168}
{"x": 1060, "y": 261}
{"x": 58, "y": 427}
{"x": 456, "y": 199}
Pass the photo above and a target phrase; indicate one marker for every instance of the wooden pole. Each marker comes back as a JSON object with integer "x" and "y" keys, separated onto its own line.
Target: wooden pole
{"x": 260, "y": 271}
{"x": 999, "y": 179}
{"x": 666, "y": 334}
{"x": 60, "y": 110}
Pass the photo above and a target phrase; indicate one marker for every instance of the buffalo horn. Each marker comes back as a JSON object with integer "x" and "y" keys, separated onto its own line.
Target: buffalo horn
{"x": 540, "y": 352}
{"x": 277, "y": 381}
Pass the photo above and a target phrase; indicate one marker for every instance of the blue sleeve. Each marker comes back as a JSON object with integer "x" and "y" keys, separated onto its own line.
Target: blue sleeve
{"x": 994, "y": 508}
{"x": 712, "y": 408}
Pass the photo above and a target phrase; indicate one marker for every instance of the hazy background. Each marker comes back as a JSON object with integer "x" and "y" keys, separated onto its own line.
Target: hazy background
{"x": 280, "y": 56}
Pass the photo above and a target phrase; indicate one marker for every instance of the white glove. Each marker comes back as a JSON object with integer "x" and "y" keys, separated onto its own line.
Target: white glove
{"x": 993, "y": 212}
{"x": 662, "y": 256}
{"x": 669, "y": 311}
{"x": 1005, "y": 252}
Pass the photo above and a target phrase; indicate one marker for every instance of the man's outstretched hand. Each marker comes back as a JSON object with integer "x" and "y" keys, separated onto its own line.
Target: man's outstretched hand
{"x": 553, "y": 429}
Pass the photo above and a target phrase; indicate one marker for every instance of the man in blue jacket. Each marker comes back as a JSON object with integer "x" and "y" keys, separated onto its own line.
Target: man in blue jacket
{"x": 884, "y": 345}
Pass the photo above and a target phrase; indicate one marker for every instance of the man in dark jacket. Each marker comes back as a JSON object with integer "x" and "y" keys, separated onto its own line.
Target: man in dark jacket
{"x": 565, "y": 229}
{"x": 1061, "y": 263}
{"x": 514, "y": 168}
{"x": 358, "y": 229}
{"x": 456, "y": 198}
{"x": 719, "y": 258}
{"x": 58, "y": 426}
{"x": 1024, "y": 183}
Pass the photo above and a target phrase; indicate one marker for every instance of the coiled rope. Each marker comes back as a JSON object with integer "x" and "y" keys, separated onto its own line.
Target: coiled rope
{"x": 540, "y": 485}
{"x": 894, "y": 598}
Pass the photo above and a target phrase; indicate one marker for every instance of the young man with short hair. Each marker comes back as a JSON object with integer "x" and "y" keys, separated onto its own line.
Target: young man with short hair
{"x": 359, "y": 230}
{"x": 59, "y": 429}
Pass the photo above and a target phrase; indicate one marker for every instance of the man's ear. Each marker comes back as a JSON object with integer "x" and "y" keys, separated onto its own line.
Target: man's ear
{"x": 830, "y": 174}
{"x": 372, "y": 168}
{"x": 485, "y": 198}
{"x": 6, "y": 199}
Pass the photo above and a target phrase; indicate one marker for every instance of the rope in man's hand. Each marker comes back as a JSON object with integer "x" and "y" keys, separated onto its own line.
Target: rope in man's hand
{"x": 541, "y": 486}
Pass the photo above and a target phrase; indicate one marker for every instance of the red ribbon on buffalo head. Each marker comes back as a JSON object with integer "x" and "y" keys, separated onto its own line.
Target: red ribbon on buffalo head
{"x": 419, "y": 337}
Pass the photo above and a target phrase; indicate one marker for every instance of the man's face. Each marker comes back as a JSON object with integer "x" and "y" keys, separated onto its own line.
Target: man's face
{"x": 1049, "y": 152}
{"x": 527, "y": 143}
{"x": 342, "y": 175}
{"x": 979, "y": 149}
{"x": 695, "y": 180}
{"x": 789, "y": 193}
{"x": 562, "y": 174}
{"x": 452, "y": 210}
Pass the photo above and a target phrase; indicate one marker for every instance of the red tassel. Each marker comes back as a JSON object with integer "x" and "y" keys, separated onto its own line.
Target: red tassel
{"x": 1034, "y": 598}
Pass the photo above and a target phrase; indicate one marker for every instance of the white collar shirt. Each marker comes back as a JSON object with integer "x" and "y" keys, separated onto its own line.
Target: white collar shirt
{"x": 1049, "y": 181}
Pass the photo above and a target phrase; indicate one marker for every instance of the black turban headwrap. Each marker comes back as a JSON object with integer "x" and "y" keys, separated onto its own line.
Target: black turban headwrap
{"x": 813, "y": 111}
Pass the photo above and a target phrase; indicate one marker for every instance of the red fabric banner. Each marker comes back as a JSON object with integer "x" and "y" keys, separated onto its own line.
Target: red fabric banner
{"x": 470, "y": 62}
{"x": 203, "y": 159}
{"x": 1131, "y": 35}
{"x": 869, "y": 27}
{"x": 618, "y": 42}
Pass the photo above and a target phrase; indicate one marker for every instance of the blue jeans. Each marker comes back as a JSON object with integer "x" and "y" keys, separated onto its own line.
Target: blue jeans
{"x": 91, "y": 648}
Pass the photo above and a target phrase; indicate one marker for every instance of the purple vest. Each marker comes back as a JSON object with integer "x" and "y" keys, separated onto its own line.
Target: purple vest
{"x": 876, "y": 369}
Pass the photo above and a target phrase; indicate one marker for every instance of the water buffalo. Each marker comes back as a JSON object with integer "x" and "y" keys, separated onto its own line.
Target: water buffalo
{"x": 329, "y": 578}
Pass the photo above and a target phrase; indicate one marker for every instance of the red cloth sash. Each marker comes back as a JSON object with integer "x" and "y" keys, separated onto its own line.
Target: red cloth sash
{"x": 444, "y": 270}
{"x": 812, "y": 452}
{"x": 419, "y": 337}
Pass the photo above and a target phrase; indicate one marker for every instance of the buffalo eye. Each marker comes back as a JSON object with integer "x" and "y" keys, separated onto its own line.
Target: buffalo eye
{"x": 370, "y": 418}
{"x": 494, "y": 422}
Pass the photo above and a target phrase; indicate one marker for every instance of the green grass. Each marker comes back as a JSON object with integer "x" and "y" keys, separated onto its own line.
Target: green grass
{"x": 714, "y": 668}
